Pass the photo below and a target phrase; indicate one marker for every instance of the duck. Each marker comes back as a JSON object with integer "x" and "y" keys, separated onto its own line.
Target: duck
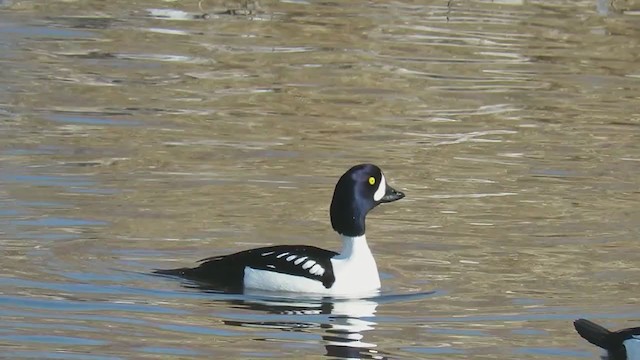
{"x": 620, "y": 345}
{"x": 306, "y": 268}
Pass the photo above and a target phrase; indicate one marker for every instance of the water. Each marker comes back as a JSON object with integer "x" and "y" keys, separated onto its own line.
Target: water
{"x": 143, "y": 135}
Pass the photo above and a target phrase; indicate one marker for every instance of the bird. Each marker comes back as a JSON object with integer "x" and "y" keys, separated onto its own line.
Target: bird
{"x": 620, "y": 345}
{"x": 305, "y": 268}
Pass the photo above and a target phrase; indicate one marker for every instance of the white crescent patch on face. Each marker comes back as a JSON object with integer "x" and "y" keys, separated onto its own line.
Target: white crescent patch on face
{"x": 382, "y": 189}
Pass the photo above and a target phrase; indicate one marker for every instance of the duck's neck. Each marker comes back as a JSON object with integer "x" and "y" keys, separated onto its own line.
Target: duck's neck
{"x": 354, "y": 247}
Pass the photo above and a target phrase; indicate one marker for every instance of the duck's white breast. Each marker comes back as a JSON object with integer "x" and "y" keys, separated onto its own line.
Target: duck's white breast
{"x": 355, "y": 277}
{"x": 633, "y": 348}
{"x": 355, "y": 268}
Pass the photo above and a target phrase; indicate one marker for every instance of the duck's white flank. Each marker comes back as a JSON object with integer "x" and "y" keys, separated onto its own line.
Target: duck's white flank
{"x": 633, "y": 347}
{"x": 354, "y": 268}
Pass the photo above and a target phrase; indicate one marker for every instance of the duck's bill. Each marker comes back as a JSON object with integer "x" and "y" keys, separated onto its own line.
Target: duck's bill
{"x": 391, "y": 195}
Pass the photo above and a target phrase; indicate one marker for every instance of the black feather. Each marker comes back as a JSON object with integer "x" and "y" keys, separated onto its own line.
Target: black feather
{"x": 611, "y": 341}
{"x": 594, "y": 333}
{"x": 227, "y": 272}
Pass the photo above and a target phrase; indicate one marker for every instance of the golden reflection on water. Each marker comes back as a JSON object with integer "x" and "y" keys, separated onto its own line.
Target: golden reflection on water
{"x": 143, "y": 135}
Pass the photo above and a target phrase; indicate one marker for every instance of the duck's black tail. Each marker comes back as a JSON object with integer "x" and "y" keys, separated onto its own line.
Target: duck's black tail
{"x": 182, "y": 272}
{"x": 594, "y": 333}
{"x": 217, "y": 281}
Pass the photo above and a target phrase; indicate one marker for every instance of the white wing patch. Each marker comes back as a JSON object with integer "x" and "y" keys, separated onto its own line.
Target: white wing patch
{"x": 304, "y": 262}
{"x": 291, "y": 257}
{"x": 382, "y": 189}
{"x": 317, "y": 270}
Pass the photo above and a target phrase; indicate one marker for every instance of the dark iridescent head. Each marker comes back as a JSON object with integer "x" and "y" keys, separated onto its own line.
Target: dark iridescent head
{"x": 358, "y": 191}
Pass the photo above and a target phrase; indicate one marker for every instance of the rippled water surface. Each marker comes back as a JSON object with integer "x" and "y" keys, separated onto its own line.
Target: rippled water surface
{"x": 137, "y": 135}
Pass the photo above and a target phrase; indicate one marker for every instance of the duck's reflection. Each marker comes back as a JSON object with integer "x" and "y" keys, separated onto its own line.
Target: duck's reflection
{"x": 343, "y": 323}
{"x": 344, "y": 337}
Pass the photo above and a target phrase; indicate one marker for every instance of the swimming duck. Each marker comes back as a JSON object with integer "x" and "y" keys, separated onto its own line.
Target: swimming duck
{"x": 305, "y": 268}
{"x": 620, "y": 345}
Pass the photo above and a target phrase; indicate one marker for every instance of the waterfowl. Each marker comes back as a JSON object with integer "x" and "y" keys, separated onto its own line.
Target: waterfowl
{"x": 306, "y": 268}
{"x": 620, "y": 345}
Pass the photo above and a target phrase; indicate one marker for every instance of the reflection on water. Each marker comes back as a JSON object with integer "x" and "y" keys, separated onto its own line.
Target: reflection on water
{"x": 341, "y": 323}
{"x": 143, "y": 135}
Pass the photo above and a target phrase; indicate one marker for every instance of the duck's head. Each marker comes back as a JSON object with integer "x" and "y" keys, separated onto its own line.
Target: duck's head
{"x": 359, "y": 190}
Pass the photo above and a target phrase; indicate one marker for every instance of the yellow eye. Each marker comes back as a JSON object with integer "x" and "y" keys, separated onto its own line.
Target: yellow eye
{"x": 372, "y": 180}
